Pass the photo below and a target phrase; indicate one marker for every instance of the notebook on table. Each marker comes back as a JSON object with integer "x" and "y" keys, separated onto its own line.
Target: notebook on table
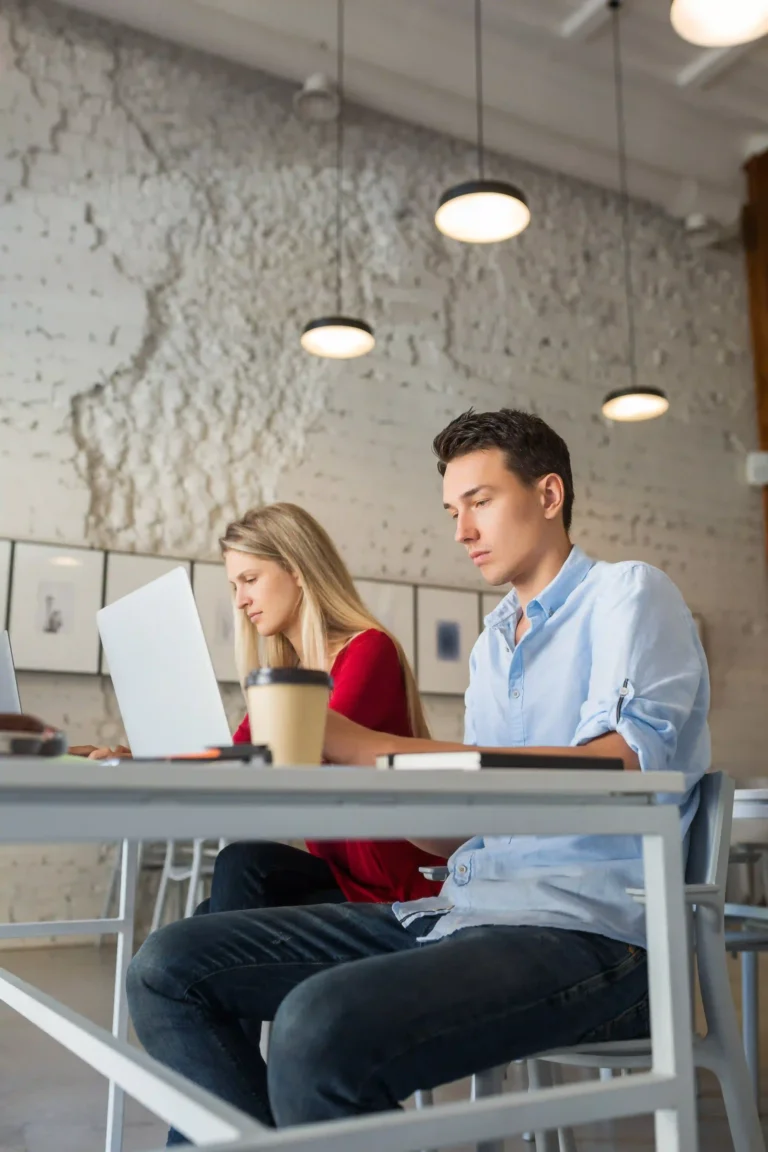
{"x": 476, "y": 759}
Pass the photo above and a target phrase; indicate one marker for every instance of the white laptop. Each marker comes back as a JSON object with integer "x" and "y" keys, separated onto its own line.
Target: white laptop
{"x": 161, "y": 671}
{"x": 9, "y": 688}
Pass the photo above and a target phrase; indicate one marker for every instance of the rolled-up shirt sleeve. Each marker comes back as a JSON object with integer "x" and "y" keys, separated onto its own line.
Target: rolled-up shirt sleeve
{"x": 648, "y": 668}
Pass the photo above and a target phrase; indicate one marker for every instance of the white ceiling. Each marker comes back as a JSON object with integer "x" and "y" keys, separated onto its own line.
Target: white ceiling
{"x": 693, "y": 115}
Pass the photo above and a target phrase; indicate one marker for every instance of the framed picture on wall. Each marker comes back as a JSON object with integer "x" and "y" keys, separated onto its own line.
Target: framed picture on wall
{"x": 55, "y": 595}
{"x": 393, "y": 605}
{"x": 214, "y": 603}
{"x": 6, "y": 549}
{"x": 127, "y": 572}
{"x": 447, "y": 625}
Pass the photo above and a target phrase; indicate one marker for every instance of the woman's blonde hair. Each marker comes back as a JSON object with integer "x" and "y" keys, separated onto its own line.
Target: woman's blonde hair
{"x": 331, "y": 610}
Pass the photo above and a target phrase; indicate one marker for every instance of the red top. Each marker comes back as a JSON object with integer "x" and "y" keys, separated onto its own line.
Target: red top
{"x": 368, "y": 688}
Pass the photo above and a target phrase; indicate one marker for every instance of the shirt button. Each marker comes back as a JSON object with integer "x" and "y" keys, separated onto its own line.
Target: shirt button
{"x": 515, "y": 693}
{"x": 461, "y": 869}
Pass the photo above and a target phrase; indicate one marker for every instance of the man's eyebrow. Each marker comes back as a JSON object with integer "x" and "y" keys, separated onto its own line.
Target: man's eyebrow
{"x": 469, "y": 493}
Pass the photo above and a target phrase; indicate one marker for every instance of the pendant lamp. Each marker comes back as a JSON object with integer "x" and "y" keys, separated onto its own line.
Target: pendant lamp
{"x": 719, "y": 23}
{"x": 337, "y": 336}
{"x": 634, "y": 402}
{"x": 481, "y": 211}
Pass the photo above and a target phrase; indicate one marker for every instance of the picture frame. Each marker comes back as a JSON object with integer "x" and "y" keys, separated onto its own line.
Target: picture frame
{"x": 213, "y": 597}
{"x": 55, "y": 594}
{"x": 6, "y": 561}
{"x": 447, "y": 625}
{"x": 394, "y": 606}
{"x": 126, "y": 572}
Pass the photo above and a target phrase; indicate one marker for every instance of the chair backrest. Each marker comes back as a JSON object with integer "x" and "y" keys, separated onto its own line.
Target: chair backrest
{"x": 710, "y": 832}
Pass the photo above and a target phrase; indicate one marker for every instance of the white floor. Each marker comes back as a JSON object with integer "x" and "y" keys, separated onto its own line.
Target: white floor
{"x": 50, "y": 1102}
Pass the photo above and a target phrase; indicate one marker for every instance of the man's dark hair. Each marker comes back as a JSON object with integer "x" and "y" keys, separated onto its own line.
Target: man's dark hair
{"x": 532, "y": 449}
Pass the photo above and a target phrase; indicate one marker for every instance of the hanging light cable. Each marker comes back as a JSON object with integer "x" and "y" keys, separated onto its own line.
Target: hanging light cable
{"x": 338, "y": 337}
{"x": 634, "y": 402}
{"x": 719, "y": 23}
{"x": 482, "y": 211}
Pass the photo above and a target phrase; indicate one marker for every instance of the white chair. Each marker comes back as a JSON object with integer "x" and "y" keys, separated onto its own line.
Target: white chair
{"x": 191, "y": 869}
{"x": 720, "y": 1049}
{"x": 179, "y": 862}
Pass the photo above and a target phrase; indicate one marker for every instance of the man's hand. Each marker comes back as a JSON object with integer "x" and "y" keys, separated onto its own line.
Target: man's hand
{"x": 350, "y": 743}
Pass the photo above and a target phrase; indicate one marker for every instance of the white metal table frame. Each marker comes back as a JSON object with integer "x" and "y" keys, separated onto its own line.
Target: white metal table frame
{"x": 41, "y": 801}
{"x": 120, "y": 926}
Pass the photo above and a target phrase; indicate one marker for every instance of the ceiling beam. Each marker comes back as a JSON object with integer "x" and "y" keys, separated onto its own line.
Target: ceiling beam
{"x": 703, "y": 69}
{"x": 558, "y": 118}
{"x": 586, "y": 21}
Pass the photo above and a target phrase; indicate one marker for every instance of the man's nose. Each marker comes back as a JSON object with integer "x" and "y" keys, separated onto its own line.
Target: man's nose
{"x": 465, "y": 530}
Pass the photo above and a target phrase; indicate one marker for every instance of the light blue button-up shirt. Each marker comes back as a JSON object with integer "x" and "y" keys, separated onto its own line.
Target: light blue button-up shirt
{"x": 610, "y": 648}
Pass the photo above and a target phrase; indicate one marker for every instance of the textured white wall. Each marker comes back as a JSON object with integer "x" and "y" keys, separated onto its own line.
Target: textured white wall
{"x": 165, "y": 234}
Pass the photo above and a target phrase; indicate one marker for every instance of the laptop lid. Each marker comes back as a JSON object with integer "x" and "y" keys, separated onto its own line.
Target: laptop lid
{"x": 161, "y": 670}
{"x": 9, "y": 688}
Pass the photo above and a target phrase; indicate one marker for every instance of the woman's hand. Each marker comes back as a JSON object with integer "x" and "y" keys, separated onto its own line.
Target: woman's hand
{"x": 91, "y": 752}
{"x": 119, "y": 753}
{"x": 349, "y": 743}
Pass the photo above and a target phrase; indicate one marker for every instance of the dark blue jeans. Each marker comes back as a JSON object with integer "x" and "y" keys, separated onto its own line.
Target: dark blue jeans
{"x": 264, "y": 874}
{"x": 364, "y": 1014}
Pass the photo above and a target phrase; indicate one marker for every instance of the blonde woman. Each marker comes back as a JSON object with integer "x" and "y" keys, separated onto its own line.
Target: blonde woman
{"x": 296, "y": 605}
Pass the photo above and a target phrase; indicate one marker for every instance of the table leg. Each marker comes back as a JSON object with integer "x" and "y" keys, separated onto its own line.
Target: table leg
{"x": 750, "y": 1020}
{"x": 128, "y": 881}
{"x": 668, "y": 980}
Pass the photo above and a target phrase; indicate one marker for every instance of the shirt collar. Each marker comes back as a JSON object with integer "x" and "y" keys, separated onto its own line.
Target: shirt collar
{"x": 550, "y": 598}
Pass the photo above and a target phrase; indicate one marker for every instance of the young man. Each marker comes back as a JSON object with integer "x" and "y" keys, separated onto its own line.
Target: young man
{"x": 533, "y": 942}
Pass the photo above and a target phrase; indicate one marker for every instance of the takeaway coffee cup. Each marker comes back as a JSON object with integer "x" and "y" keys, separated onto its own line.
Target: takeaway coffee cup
{"x": 287, "y": 709}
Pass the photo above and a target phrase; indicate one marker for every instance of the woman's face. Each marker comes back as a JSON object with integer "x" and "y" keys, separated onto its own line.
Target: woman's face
{"x": 265, "y": 592}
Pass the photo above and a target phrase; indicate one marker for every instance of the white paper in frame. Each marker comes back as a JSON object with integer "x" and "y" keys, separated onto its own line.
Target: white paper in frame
{"x": 55, "y": 595}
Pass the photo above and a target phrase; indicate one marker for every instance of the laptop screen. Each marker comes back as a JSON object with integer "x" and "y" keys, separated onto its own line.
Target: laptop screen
{"x": 161, "y": 670}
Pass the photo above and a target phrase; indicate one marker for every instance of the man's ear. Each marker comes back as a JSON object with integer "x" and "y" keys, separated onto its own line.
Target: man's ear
{"x": 552, "y": 495}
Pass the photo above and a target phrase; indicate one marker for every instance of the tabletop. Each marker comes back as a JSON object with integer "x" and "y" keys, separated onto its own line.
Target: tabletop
{"x": 42, "y": 776}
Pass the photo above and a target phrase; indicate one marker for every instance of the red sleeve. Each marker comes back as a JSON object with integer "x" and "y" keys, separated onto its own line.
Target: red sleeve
{"x": 368, "y": 684}
{"x": 368, "y": 687}
{"x": 243, "y": 733}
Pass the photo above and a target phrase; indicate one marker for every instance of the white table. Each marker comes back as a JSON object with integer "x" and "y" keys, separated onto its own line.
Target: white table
{"x": 41, "y": 801}
{"x": 750, "y": 804}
